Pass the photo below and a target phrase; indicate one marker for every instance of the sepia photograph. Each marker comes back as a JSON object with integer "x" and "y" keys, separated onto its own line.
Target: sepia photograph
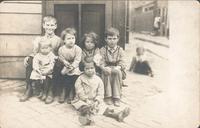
{"x": 99, "y": 64}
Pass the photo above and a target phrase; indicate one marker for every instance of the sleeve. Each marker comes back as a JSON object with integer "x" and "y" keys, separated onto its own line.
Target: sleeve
{"x": 52, "y": 62}
{"x": 60, "y": 43}
{"x": 80, "y": 90}
{"x": 77, "y": 58}
{"x": 132, "y": 66}
{"x": 97, "y": 51}
{"x": 103, "y": 55}
{"x": 60, "y": 55}
{"x": 35, "y": 46}
{"x": 83, "y": 57}
{"x": 100, "y": 91}
{"x": 36, "y": 62}
{"x": 121, "y": 59}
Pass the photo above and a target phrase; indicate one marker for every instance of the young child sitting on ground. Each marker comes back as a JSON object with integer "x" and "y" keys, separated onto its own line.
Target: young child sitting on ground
{"x": 89, "y": 97}
{"x": 140, "y": 64}
{"x": 43, "y": 63}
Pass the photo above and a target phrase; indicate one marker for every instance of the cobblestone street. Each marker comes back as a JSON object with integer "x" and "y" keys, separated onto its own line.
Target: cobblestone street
{"x": 146, "y": 96}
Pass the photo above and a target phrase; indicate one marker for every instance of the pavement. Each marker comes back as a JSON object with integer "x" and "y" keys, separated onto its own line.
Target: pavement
{"x": 146, "y": 96}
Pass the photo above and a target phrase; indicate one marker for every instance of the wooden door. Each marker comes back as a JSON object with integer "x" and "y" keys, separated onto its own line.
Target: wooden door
{"x": 67, "y": 16}
{"x": 93, "y": 19}
{"x": 83, "y": 17}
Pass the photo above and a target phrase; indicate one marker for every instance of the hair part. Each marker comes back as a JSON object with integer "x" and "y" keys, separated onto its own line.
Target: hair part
{"x": 111, "y": 31}
{"x": 66, "y": 31}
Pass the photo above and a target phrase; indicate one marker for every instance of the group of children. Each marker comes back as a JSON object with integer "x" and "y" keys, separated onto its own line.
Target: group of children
{"x": 88, "y": 76}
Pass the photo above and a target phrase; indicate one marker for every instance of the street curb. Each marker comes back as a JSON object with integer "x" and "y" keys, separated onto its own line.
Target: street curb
{"x": 150, "y": 51}
{"x": 151, "y": 41}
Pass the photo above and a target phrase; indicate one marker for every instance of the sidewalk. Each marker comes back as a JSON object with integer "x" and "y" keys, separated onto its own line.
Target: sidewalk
{"x": 155, "y": 44}
{"x": 146, "y": 96}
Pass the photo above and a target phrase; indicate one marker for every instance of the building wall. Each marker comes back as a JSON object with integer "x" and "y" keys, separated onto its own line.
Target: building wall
{"x": 142, "y": 15}
{"x": 20, "y": 23}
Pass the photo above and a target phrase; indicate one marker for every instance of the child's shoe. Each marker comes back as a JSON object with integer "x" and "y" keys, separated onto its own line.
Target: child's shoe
{"x": 61, "y": 98}
{"x": 108, "y": 101}
{"x": 108, "y": 111}
{"x": 126, "y": 112}
{"x": 117, "y": 102}
{"x": 123, "y": 114}
{"x": 40, "y": 95}
{"x": 44, "y": 97}
{"x": 28, "y": 93}
{"x": 49, "y": 100}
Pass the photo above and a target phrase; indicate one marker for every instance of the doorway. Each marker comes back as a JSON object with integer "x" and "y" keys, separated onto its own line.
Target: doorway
{"x": 83, "y": 17}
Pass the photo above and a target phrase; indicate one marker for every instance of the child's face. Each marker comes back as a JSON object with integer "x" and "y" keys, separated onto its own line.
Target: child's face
{"x": 49, "y": 27}
{"x": 69, "y": 40}
{"x": 89, "y": 69}
{"x": 89, "y": 44}
{"x": 45, "y": 50}
{"x": 140, "y": 51}
{"x": 112, "y": 41}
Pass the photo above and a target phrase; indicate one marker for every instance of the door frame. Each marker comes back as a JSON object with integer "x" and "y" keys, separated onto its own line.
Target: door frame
{"x": 48, "y": 9}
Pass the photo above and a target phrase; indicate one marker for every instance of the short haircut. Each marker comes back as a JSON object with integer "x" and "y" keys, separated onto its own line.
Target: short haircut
{"x": 112, "y": 32}
{"x": 91, "y": 35}
{"x": 140, "y": 47}
{"x": 88, "y": 61}
{"x": 66, "y": 31}
{"x": 49, "y": 18}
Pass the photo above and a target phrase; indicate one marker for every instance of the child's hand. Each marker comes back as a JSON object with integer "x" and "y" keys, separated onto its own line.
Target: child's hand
{"x": 26, "y": 61}
{"x": 88, "y": 102}
{"x": 67, "y": 64}
{"x": 38, "y": 71}
{"x": 117, "y": 67}
{"x": 71, "y": 68}
{"x": 107, "y": 70}
{"x": 44, "y": 72}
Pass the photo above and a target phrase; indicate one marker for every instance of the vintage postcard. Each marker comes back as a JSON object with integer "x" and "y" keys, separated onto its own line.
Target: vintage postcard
{"x": 99, "y": 63}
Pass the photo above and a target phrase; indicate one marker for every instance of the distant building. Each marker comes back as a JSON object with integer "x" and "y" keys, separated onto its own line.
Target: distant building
{"x": 143, "y": 13}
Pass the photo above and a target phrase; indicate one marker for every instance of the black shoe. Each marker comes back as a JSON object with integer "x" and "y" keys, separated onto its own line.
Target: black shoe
{"x": 123, "y": 114}
{"x": 62, "y": 96}
{"x": 108, "y": 111}
{"x": 44, "y": 97}
{"x": 61, "y": 99}
{"x": 49, "y": 100}
{"x": 27, "y": 95}
{"x": 40, "y": 95}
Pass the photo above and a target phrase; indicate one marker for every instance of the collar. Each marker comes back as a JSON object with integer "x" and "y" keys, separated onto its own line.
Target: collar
{"x": 112, "y": 49}
{"x": 141, "y": 58}
{"x": 49, "y": 36}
